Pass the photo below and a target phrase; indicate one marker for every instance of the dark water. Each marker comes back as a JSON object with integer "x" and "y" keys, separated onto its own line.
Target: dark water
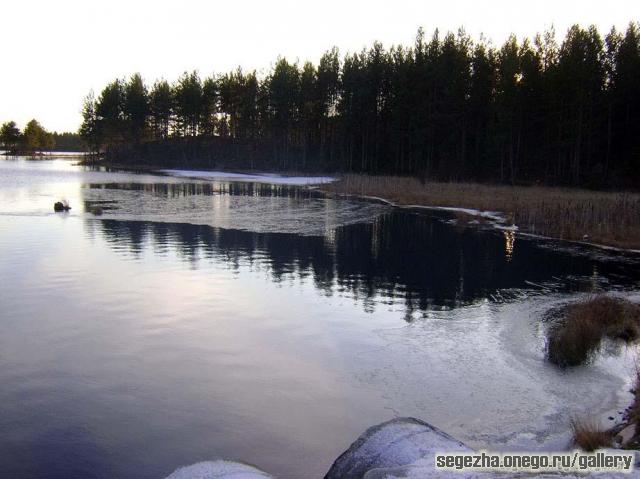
{"x": 194, "y": 320}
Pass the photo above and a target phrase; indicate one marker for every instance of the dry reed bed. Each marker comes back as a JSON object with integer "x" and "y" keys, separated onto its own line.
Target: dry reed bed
{"x": 605, "y": 218}
{"x": 588, "y": 436}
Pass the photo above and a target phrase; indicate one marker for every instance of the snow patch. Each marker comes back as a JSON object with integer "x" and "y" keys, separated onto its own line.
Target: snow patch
{"x": 391, "y": 445}
{"x": 497, "y": 219}
{"x": 490, "y": 215}
{"x": 219, "y": 470}
{"x": 583, "y": 243}
{"x": 270, "y": 178}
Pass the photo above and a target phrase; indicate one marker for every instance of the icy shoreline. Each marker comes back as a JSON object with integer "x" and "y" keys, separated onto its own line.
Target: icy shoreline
{"x": 270, "y": 178}
{"x": 497, "y": 220}
{"x": 402, "y": 448}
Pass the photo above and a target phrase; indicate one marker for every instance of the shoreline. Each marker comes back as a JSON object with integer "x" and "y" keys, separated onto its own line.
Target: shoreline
{"x": 605, "y": 220}
{"x": 497, "y": 219}
{"x": 559, "y": 214}
{"x": 158, "y": 168}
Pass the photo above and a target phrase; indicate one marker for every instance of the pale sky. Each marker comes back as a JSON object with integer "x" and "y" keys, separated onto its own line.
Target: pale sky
{"x": 54, "y": 52}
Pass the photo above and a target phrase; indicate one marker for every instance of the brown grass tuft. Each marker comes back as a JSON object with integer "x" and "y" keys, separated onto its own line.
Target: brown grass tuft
{"x": 588, "y": 436}
{"x": 586, "y": 323}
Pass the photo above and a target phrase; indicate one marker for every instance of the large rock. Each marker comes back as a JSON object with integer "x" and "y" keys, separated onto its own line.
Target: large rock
{"x": 60, "y": 206}
{"x": 627, "y": 435}
{"x": 393, "y": 444}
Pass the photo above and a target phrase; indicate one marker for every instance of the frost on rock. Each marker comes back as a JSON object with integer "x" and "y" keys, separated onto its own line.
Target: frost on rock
{"x": 219, "y": 470}
{"x": 393, "y": 444}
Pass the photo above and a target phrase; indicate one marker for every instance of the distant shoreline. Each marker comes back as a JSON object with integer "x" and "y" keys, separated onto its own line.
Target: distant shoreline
{"x": 38, "y": 154}
{"x": 158, "y": 167}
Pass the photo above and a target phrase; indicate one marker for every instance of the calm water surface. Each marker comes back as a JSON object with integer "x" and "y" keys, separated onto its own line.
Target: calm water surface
{"x": 265, "y": 323}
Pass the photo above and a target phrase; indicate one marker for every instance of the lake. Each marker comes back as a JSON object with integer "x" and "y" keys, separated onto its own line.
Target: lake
{"x": 260, "y": 321}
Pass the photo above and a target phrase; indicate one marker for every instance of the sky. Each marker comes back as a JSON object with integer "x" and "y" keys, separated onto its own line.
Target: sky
{"x": 55, "y": 52}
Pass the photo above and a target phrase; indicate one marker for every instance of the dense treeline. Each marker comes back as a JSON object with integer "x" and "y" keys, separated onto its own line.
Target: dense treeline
{"x": 446, "y": 108}
{"x": 35, "y": 138}
{"x": 68, "y": 141}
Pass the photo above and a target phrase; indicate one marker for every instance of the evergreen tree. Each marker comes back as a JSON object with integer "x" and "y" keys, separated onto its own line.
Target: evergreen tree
{"x": 283, "y": 86}
{"x": 160, "y": 109}
{"x": 109, "y": 112}
{"x": 187, "y": 94}
{"x": 9, "y": 135}
{"x": 625, "y": 90}
{"x": 209, "y": 107}
{"x": 89, "y": 128}
{"x": 136, "y": 107}
{"x": 328, "y": 91}
{"x": 35, "y": 138}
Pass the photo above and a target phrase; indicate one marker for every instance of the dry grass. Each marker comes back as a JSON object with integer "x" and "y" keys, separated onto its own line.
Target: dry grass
{"x": 586, "y": 323}
{"x": 589, "y": 437}
{"x": 606, "y": 218}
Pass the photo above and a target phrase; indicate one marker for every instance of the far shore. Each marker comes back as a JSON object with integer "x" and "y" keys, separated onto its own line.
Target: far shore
{"x": 220, "y": 166}
{"x": 600, "y": 218}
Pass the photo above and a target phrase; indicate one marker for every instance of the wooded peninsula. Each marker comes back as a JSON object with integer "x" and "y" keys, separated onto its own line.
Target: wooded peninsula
{"x": 447, "y": 108}
{"x": 35, "y": 139}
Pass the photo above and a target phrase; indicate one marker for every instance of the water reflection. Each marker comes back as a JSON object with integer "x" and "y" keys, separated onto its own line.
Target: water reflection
{"x": 177, "y": 190}
{"x": 195, "y": 320}
{"x": 412, "y": 259}
{"x": 230, "y": 205}
{"x": 509, "y": 244}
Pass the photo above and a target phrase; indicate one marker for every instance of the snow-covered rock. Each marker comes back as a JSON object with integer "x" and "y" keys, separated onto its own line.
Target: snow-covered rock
{"x": 219, "y": 470}
{"x": 390, "y": 445}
